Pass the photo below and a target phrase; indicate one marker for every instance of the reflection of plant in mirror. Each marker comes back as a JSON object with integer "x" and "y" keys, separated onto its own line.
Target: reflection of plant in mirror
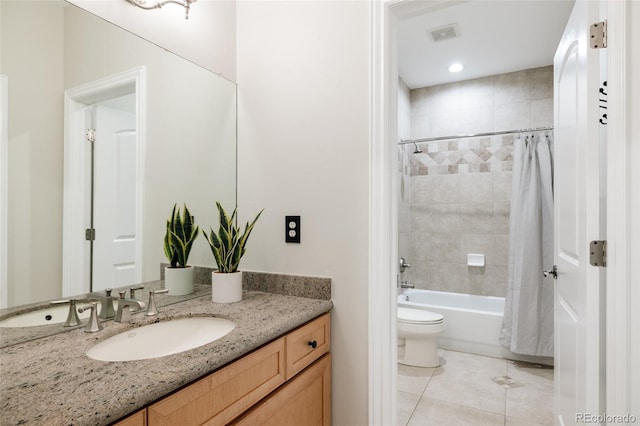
{"x": 180, "y": 235}
{"x": 228, "y": 246}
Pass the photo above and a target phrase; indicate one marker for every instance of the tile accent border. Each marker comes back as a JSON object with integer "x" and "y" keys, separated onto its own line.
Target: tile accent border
{"x": 477, "y": 155}
{"x": 270, "y": 282}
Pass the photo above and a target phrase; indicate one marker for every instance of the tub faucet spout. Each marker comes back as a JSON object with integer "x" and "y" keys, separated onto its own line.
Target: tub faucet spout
{"x": 406, "y": 284}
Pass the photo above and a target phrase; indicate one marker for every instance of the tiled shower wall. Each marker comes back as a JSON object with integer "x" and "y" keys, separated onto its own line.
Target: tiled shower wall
{"x": 456, "y": 193}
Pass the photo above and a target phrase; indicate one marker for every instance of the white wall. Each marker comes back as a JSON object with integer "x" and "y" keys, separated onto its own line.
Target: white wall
{"x": 303, "y": 78}
{"x": 35, "y": 73}
{"x": 206, "y": 38}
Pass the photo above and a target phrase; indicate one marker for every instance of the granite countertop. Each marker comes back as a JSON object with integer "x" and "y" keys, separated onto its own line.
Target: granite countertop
{"x": 13, "y": 335}
{"x": 51, "y": 381}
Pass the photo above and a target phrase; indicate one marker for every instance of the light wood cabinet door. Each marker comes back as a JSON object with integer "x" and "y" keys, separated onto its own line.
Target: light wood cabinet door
{"x": 308, "y": 343}
{"x": 225, "y": 394}
{"x": 139, "y": 418}
{"x": 303, "y": 401}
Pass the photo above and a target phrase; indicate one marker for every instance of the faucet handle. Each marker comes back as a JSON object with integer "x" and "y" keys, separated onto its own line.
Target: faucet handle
{"x": 106, "y": 304}
{"x": 93, "y": 324}
{"x": 403, "y": 265}
{"x": 72, "y": 316}
{"x": 132, "y": 290}
{"x": 152, "y": 309}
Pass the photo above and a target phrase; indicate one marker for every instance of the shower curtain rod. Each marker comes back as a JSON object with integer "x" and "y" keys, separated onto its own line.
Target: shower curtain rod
{"x": 475, "y": 135}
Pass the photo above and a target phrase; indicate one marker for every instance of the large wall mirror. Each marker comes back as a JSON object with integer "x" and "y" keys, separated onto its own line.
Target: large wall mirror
{"x": 165, "y": 133}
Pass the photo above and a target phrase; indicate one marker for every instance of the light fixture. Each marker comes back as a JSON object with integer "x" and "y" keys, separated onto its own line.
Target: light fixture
{"x": 158, "y": 4}
{"x": 456, "y": 67}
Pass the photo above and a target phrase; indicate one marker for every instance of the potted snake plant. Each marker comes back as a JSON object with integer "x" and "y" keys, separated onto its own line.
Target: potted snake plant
{"x": 228, "y": 246}
{"x": 178, "y": 240}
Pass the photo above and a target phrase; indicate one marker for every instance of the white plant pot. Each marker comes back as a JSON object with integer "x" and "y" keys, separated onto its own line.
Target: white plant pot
{"x": 226, "y": 288}
{"x": 179, "y": 281}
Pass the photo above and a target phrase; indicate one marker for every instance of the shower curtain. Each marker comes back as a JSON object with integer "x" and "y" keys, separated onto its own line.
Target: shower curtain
{"x": 527, "y": 326}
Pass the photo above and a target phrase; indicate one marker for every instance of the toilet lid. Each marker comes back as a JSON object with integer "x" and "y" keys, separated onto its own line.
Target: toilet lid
{"x": 418, "y": 316}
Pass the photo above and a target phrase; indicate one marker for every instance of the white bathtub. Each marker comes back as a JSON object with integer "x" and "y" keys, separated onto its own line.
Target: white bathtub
{"x": 473, "y": 322}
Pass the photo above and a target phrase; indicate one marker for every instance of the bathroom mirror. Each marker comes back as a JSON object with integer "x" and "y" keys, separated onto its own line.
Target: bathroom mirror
{"x": 184, "y": 151}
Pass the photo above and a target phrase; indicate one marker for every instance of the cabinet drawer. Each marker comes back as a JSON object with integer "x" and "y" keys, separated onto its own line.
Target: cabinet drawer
{"x": 305, "y": 400}
{"x": 223, "y": 395}
{"x": 137, "y": 419}
{"x": 308, "y": 343}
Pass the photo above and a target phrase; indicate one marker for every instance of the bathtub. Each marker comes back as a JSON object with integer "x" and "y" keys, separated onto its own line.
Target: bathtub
{"x": 472, "y": 322}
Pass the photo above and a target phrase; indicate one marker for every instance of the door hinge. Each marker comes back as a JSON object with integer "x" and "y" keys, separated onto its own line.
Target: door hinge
{"x": 598, "y": 253}
{"x": 598, "y": 35}
{"x": 90, "y": 234}
{"x": 91, "y": 135}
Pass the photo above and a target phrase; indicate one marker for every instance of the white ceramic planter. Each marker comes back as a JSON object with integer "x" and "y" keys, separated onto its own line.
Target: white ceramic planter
{"x": 226, "y": 288}
{"x": 179, "y": 281}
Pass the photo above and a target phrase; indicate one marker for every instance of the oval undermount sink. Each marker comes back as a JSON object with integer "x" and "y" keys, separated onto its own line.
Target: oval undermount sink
{"x": 161, "y": 339}
{"x": 48, "y": 314}
{"x": 45, "y": 316}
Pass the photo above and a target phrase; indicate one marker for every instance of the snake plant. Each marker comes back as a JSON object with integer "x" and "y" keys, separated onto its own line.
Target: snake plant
{"x": 180, "y": 235}
{"x": 229, "y": 244}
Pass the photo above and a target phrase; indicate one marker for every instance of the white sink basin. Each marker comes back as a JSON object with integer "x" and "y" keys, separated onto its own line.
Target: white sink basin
{"x": 53, "y": 314}
{"x": 161, "y": 339}
{"x": 46, "y": 315}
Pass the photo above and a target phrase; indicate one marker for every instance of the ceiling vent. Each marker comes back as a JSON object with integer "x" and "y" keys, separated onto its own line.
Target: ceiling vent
{"x": 445, "y": 33}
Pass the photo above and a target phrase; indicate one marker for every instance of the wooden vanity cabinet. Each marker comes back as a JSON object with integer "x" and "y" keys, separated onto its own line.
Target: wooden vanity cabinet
{"x": 305, "y": 400}
{"x": 286, "y": 382}
{"x": 139, "y": 418}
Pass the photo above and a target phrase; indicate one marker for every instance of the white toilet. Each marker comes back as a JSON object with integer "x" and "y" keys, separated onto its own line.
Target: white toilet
{"x": 419, "y": 330}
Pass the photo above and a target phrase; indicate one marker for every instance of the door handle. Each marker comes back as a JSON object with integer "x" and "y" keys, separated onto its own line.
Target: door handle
{"x": 553, "y": 272}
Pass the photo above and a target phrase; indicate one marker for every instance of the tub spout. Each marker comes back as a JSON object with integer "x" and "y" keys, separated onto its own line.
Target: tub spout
{"x": 406, "y": 284}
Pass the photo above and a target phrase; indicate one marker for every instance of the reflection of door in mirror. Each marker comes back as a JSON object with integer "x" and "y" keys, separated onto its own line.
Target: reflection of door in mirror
{"x": 103, "y": 194}
{"x": 113, "y": 259}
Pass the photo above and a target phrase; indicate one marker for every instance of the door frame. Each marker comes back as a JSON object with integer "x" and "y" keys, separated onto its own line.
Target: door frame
{"x": 383, "y": 230}
{"x": 74, "y": 256}
{"x": 623, "y": 204}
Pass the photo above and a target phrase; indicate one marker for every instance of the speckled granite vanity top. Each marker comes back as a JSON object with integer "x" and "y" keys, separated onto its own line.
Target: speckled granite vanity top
{"x": 50, "y": 381}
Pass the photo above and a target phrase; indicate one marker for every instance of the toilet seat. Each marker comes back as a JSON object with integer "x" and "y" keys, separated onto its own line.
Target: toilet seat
{"x": 418, "y": 316}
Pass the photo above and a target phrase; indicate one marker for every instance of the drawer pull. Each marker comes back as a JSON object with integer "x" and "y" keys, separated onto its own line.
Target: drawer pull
{"x": 313, "y": 344}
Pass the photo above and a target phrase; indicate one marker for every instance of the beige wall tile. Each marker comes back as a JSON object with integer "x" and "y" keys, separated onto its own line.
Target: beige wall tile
{"x": 502, "y": 186}
{"x": 476, "y": 243}
{"x": 542, "y": 83}
{"x": 473, "y": 218}
{"x": 501, "y": 218}
{"x": 512, "y": 116}
{"x": 542, "y": 113}
{"x": 512, "y": 87}
{"x": 478, "y": 92}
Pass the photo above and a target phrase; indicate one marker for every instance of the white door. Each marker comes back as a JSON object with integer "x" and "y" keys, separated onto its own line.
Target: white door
{"x": 114, "y": 198}
{"x": 579, "y": 385}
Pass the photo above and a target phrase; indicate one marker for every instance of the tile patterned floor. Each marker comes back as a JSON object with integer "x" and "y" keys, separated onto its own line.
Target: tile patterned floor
{"x": 474, "y": 390}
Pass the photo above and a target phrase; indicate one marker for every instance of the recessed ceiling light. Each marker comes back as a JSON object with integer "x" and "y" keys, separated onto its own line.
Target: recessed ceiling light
{"x": 456, "y": 67}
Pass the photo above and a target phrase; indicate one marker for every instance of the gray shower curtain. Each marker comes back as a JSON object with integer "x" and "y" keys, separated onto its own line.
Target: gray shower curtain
{"x": 527, "y": 326}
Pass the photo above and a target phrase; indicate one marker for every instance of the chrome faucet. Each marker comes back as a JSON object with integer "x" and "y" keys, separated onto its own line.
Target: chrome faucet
{"x": 132, "y": 290}
{"x": 72, "y": 316}
{"x": 106, "y": 304}
{"x": 403, "y": 265}
{"x": 93, "y": 324}
{"x": 152, "y": 309}
{"x": 124, "y": 307}
{"x": 406, "y": 284}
